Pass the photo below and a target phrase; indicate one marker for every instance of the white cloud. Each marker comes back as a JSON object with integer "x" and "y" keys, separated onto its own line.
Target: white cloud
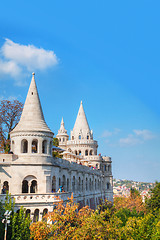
{"x": 9, "y": 67}
{"x": 145, "y": 134}
{"x": 130, "y": 140}
{"x": 107, "y": 133}
{"x": 17, "y": 60}
{"x": 137, "y": 137}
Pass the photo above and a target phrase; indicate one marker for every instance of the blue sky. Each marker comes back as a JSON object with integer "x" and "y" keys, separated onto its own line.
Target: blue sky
{"x": 105, "y": 53}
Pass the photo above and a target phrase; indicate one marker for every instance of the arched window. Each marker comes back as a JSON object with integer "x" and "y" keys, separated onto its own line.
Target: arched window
{"x": 73, "y": 184}
{"x": 90, "y": 183}
{"x": 80, "y": 137}
{"x": 13, "y": 146}
{"x": 79, "y": 184}
{"x": 54, "y": 184}
{"x": 67, "y": 185}
{"x": 50, "y": 147}
{"x": 33, "y": 188}
{"x": 59, "y": 139}
{"x": 64, "y": 182}
{"x": 25, "y": 186}
{"x": 36, "y": 215}
{"x": 87, "y": 137}
{"x": 108, "y": 185}
{"x": 86, "y": 184}
{"x": 76, "y": 153}
{"x": 80, "y": 153}
{"x": 92, "y": 186}
{"x": 28, "y": 212}
{"x": 59, "y": 182}
{"x": 104, "y": 167}
{"x": 86, "y": 153}
{"x": 108, "y": 168}
{"x": 24, "y": 146}
{"x": 5, "y": 187}
{"x": 44, "y": 147}
{"x": 90, "y": 153}
{"x": 72, "y": 137}
{"x": 45, "y": 211}
{"x": 34, "y": 146}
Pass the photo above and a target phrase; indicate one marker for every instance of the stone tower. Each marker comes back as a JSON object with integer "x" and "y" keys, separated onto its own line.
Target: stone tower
{"x": 31, "y": 135}
{"x": 62, "y": 136}
{"x": 82, "y": 142}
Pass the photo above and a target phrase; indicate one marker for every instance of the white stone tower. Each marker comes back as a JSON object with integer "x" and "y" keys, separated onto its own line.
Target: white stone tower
{"x": 31, "y": 135}
{"x": 31, "y": 141}
{"x": 82, "y": 142}
{"x": 62, "y": 136}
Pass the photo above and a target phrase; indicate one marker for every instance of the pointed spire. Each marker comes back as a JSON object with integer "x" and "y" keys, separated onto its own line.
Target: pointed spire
{"x": 62, "y": 122}
{"x": 81, "y": 126}
{"x": 32, "y": 118}
{"x": 62, "y": 130}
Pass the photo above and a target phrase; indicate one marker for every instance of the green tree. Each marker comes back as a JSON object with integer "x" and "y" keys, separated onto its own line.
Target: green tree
{"x": 55, "y": 142}
{"x": 153, "y": 202}
{"x": 20, "y": 225}
{"x": 8, "y": 205}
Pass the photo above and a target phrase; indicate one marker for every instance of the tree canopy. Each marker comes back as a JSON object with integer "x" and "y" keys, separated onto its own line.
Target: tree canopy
{"x": 10, "y": 112}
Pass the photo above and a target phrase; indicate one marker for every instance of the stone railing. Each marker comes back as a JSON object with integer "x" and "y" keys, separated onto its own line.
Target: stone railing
{"x": 38, "y": 198}
{"x": 82, "y": 141}
{"x": 93, "y": 158}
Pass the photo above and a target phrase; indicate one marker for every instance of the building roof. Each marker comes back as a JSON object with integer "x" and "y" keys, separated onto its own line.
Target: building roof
{"x": 81, "y": 123}
{"x": 62, "y": 131}
{"x": 32, "y": 118}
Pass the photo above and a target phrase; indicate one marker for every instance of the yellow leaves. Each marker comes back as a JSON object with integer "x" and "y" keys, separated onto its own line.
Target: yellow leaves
{"x": 129, "y": 203}
{"x": 40, "y": 230}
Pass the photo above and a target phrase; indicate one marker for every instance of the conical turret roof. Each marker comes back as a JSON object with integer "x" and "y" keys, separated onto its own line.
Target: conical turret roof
{"x": 32, "y": 118}
{"x": 62, "y": 130}
{"x": 81, "y": 120}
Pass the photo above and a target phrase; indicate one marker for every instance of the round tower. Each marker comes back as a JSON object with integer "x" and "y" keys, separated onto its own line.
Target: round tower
{"x": 32, "y": 135}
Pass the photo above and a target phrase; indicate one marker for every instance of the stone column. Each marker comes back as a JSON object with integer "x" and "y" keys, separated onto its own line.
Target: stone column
{"x": 29, "y": 146}
{"x": 48, "y": 184}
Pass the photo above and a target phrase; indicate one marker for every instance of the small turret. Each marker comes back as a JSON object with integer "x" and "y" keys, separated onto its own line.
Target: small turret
{"x": 62, "y": 136}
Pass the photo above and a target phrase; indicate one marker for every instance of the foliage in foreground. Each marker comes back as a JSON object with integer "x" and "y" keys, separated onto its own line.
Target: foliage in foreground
{"x": 126, "y": 219}
{"x": 18, "y": 228}
{"x": 129, "y": 218}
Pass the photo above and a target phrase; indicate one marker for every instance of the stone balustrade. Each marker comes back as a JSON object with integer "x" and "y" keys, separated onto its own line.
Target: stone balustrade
{"x": 82, "y": 141}
{"x": 38, "y": 198}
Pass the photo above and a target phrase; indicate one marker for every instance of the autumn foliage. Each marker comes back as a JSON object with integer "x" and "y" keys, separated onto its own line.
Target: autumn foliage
{"x": 10, "y": 112}
{"x": 126, "y": 219}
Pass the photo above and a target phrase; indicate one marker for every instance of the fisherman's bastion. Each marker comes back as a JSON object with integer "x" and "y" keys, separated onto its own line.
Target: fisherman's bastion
{"x": 33, "y": 176}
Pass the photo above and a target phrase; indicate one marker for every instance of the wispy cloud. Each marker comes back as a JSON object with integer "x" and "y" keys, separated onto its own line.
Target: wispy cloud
{"x": 17, "y": 59}
{"x": 107, "y": 133}
{"x": 10, "y": 98}
{"x": 144, "y": 134}
{"x": 137, "y": 137}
